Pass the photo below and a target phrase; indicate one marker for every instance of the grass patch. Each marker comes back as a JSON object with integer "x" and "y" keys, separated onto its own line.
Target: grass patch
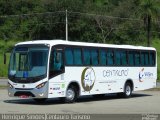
{"x": 153, "y": 89}
{"x": 4, "y": 67}
{"x": 3, "y": 87}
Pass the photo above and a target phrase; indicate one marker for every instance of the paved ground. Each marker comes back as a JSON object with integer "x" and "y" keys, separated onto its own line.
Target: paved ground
{"x": 141, "y": 103}
{"x": 3, "y": 82}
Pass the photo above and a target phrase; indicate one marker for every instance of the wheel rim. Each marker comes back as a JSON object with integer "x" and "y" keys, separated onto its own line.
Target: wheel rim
{"x": 128, "y": 90}
{"x": 70, "y": 94}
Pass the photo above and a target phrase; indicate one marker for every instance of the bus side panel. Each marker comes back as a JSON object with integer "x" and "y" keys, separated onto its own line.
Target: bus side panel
{"x": 57, "y": 87}
{"x": 101, "y": 80}
{"x": 93, "y": 80}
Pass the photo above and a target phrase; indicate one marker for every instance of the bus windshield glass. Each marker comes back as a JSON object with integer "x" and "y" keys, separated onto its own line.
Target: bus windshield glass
{"x": 28, "y": 62}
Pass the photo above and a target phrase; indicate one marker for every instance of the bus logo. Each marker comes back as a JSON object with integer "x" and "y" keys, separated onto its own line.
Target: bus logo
{"x": 88, "y": 78}
{"x": 141, "y": 75}
{"x": 144, "y": 75}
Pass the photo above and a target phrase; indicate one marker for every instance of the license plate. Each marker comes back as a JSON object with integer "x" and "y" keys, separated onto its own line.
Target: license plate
{"x": 24, "y": 96}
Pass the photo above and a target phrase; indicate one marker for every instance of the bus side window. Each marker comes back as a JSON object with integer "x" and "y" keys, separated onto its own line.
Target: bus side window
{"x": 110, "y": 57}
{"x": 118, "y": 57}
{"x": 86, "y": 57}
{"x": 124, "y": 58}
{"x": 146, "y": 58}
{"x": 131, "y": 58}
{"x": 56, "y": 63}
{"x": 152, "y": 58}
{"x": 94, "y": 57}
{"x": 103, "y": 57}
{"x": 142, "y": 58}
{"x": 137, "y": 58}
{"x": 77, "y": 56}
{"x": 69, "y": 56}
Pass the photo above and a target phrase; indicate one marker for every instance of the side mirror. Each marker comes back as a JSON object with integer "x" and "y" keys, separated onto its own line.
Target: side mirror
{"x": 4, "y": 55}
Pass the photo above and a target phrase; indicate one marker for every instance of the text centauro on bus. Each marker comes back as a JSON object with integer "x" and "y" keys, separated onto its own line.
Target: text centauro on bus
{"x": 55, "y": 68}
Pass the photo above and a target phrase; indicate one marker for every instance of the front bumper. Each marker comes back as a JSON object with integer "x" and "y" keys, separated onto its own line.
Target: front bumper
{"x": 30, "y": 92}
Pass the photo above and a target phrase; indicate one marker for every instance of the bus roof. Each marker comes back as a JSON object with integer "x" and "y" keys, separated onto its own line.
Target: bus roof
{"x": 63, "y": 42}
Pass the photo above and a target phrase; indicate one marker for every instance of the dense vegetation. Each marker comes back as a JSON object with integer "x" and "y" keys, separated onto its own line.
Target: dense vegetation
{"x": 103, "y": 21}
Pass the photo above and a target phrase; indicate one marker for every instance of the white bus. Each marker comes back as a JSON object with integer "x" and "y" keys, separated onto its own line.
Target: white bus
{"x": 67, "y": 70}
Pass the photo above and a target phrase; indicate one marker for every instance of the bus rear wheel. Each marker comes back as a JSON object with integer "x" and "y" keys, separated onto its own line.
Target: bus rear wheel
{"x": 71, "y": 94}
{"x": 127, "y": 91}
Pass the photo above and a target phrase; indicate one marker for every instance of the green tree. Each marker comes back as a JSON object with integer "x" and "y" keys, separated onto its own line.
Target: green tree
{"x": 148, "y": 10}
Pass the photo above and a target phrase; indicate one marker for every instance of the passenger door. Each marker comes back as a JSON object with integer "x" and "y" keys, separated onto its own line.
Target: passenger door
{"x": 56, "y": 73}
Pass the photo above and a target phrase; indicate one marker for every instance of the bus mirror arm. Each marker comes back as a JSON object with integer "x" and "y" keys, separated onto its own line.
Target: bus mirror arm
{"x": 4, "y": 55}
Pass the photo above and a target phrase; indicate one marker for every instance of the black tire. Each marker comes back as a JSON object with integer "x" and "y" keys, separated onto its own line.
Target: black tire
{"x": 127, "y": 91}
{"x": 40, "y": 100}
{"x": 71, "y": 95}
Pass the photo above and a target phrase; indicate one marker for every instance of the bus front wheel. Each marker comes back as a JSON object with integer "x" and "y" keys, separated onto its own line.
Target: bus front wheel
{"x": 71, "y": 95}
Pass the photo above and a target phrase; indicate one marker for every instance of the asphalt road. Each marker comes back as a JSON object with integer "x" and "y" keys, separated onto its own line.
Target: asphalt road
{"x": 3, "y": 82}
{"x": 141, "y": 103}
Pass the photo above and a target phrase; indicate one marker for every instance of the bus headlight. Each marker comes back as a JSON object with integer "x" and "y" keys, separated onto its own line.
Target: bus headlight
{"x": 40, "y": 85}
{"x": 10, "y": 86}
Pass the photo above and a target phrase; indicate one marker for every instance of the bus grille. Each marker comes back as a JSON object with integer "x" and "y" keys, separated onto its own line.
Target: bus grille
{"x": 19, "y": 93}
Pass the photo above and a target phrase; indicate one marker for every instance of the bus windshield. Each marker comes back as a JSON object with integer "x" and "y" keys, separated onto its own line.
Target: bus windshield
{"x": 28, "y": 62}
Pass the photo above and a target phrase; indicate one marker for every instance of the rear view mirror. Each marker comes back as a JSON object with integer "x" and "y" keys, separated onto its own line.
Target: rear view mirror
{"x": 4, "y": 55}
